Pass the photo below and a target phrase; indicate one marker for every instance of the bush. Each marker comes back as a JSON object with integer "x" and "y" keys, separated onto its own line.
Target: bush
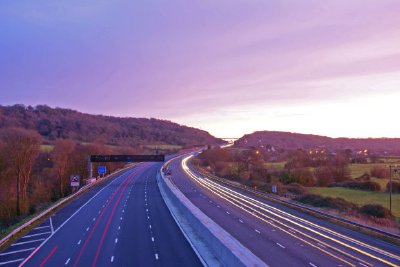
{"x": 327, "y": 202}
{"x": 296, "y": 189}
{"x": 380, "y": 172}
{"x": 368, "y": 185}
{"x": 376, "y": 211}
{"x": 395, "y": 187}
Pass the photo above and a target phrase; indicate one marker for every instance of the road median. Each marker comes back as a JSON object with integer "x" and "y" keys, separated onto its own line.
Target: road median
{"x": 203, "y": 233}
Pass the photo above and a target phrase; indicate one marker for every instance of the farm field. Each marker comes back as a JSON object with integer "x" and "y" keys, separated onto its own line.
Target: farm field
{"x": 360, "y": 197}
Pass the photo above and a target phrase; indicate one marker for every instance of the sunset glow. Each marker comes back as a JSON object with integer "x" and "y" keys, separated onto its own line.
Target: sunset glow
{"x": 329, "y": 68}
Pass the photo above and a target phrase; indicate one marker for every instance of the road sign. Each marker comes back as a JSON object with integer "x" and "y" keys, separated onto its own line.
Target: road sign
{"x": 75, "y": 180}
{"x": 396, "y": 172}
{"x": 101, "y": 169}
{"x": 274, "y": 189}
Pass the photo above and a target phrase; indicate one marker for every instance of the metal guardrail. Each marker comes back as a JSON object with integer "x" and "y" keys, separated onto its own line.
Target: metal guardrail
{"x": 49, "y": 210}
{"x": 296, "y": 205}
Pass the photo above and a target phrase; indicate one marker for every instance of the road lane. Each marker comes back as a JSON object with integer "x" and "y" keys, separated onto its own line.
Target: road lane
{"x": 126, "y": 223}
{"x": 267, "y": 232}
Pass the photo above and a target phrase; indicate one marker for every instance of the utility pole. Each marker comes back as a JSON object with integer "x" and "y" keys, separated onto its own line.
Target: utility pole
{"x": 394, "y": 171}
{"x": 390, "y": 188}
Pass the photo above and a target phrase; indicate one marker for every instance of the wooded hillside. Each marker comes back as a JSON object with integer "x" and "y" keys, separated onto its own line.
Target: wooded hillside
{"x": 290, "y": 141}
{"x": 59, "y": 123}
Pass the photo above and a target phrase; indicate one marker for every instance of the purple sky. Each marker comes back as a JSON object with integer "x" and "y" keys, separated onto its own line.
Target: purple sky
{"x": 228, "y": 67}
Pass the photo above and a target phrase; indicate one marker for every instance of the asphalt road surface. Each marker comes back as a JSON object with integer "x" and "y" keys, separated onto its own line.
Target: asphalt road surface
{"x": 278, "y": 235}
{"x": 122, "y": 222}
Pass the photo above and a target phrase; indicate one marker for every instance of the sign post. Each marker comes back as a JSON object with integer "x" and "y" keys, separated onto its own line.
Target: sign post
{"x": 101, "y": 170}
{"x": 75, "y": 181}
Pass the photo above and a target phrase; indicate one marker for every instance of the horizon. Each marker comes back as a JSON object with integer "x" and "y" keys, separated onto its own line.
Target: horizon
{"x": 221, "y": 137}
{"x": 329, "y": 69}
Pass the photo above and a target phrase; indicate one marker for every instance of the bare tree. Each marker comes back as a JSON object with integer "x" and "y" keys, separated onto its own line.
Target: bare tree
{"x": 63, "y": 152}
{"x": 21, "y": 148}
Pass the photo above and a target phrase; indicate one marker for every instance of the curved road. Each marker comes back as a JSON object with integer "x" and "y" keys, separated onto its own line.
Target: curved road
{"x": 279, "y": 235}
{"x": 122, "y": 222}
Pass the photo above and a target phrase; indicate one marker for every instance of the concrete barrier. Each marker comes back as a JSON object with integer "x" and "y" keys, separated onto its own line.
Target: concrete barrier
{"x": 226, "y": 249}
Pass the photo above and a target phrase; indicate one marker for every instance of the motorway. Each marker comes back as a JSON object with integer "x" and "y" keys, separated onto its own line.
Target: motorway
{"x": 121, "y": 222}
{"x": 278, "y": 235}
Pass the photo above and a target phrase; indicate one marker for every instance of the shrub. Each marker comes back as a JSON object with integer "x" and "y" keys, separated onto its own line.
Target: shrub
{"x": 296, "y": 189}
{"x": 376, "y": 211}
{"x": 380, "y": 172}
{"x": 327, "y": 202}
{"x": 395, "y": 187}
{"x": 368, "y": 185}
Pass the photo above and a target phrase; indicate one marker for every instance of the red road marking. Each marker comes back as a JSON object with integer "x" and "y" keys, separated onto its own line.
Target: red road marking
{"x": 107, "y": 225}
{"x": 49, "y": 256}
{"x": 126, "y": 182}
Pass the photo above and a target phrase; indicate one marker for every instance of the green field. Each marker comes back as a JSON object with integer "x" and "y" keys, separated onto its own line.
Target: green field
{"x": 46, "y": 148}
{"x": 360, "y": 197}
{"x": 275, "y": 165}
{"x": 359, "y": 169}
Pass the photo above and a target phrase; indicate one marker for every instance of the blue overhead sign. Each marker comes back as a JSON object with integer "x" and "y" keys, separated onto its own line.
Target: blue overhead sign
{"x": 101, "y": 169}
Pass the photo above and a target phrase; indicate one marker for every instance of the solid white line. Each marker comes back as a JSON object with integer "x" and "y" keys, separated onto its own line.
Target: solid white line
{"x": 51, "y": 225}
{"x": 73, "y": 215}
{"x": 17, "y": 251}
{"x": 156, "y": 255}
{"x": 44, "y": 233}
{"x": 41, "y": 227}
{"x": 66, "y": 263}
{"x": 112, "y": 258}
{"x": 7, "y": 262}
{"x": 312, "y": 264}
{"x": 257, "y": 231}
{"x": 280, "y": 245}
{"x": 79, "y": 242}
{"x": 27, "y": 242}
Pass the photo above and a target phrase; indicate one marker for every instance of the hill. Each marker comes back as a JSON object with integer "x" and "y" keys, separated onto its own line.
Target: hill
{"x": 290, "y": 141}
{"x": 59, "y": 123}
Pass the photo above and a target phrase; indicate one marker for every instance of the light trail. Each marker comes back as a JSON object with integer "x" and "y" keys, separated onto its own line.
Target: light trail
{"x": 247, "y": 203}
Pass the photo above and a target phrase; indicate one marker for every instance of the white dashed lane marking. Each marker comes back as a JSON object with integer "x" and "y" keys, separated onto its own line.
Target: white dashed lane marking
{"x": 66, "y": 263}
{"x": 280, "y": 245}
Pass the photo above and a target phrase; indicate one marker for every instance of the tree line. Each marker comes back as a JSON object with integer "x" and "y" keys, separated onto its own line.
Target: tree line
{"x": 33, "y": 175}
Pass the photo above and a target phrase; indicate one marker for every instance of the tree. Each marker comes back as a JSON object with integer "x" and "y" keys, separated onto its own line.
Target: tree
{"x": 63, "y": 152}
{"x": 21, "y": 148}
